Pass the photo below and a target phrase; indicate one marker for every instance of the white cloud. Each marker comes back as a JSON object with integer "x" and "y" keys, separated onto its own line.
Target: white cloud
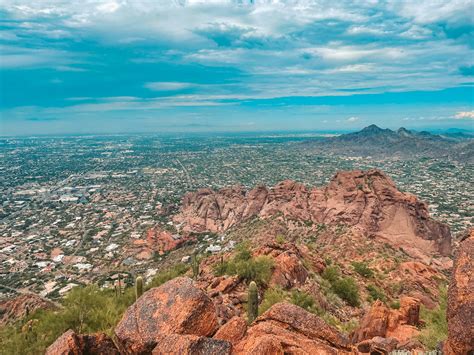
{"x": 353, "y": 119}
{"x": 464, "y": 115}
{"x": 168, "y": 86}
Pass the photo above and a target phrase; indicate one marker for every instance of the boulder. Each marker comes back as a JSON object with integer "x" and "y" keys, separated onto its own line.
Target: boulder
{"x": 286, "y": 329}
{"x": 380, "y": 321}
{"x": 191, "y": 345}
{"x": 19, "y": 307}
{"x": 233, "y": 331}
{"x": 176, "y": 307}
{"x": 71, "y": 343}
{"x": 373, "y": 323}
{"x": 460, "y": 314}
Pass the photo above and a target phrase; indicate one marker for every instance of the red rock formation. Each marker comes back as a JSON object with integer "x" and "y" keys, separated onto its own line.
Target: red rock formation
{"x": 191, "y": 345}
{"x": 233, "y": 331}
{"x": 71, "y": 343}
{"x": 288, "y": 268}
{"x": 16, "y": 308}
{"x": 460, "y": 312}
{"x": 163, "y": 241}
{"x": 288, "y": 329}
{"x": 176, "y": 307}
{"x": 380, "y": 321}
{"x": 366, "y": 201}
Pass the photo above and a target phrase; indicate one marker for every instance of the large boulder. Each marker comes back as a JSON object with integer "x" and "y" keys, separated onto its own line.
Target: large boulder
{"x": 191, "y": 345}
{"x": 176, "y": 307}
{"x": 289, "y": 329}
{"x": 460, "y": 312}
{"x": 380, "y": 321}
{"x": 233, "y": 331}
{"x": 71, "y": 343}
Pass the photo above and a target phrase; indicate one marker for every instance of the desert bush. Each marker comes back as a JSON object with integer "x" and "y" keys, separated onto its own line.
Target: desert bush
{"x": 257, "y": 269}
{"x": 346, "y": 288}
{"x": 375, "y": 293}
{"x": 167, "y": 274}
{"x": 363, "y": 269}
{"x": 331, "y": 273}
{"x": 436, "y": 325}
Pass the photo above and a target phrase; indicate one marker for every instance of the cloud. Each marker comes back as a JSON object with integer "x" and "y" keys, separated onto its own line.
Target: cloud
{"x": 353, "y": 119}
{"x": 168, "y": 86}
{"x": 464, "y": 115}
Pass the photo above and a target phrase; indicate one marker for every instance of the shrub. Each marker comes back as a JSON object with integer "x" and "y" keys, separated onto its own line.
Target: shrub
{"x": 299, "y": 298}
{"x": 346, "y": 288}
{"x": 395, "y": 304}
{"x": 436, "y": 325}
{"x": 331, "y": 273}
{"x": 167, "y": 274}
{"x": 280, "y": 239}
{"x": 375, "y": 293}
{"x": 272, "y": 296}
{"x": 363, "y": 269}
{"x": 250, "y": 269}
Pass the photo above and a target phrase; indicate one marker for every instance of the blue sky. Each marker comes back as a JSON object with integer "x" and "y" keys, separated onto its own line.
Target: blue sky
{"x": 219, "y": 65}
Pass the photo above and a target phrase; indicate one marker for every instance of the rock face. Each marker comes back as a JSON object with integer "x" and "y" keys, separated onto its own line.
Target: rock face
{"x": 381, "y": 322}
{"x": 233, "y": 331}
{"x": 460, "y": 312}
{"x": 176, "y": 307}
{"x": 71, "y": 343}
{"x": 18, "y": 307}
{"x": 191, "y": 345}
{"x": 288, "y": 329}
{"x": 366, "y": 201}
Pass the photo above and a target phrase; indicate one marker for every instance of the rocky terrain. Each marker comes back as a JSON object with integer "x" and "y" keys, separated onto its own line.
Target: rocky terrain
{"x": 350, "y": 268}
{"x": 377, "y": 142}
{"x": 366, "y": 202}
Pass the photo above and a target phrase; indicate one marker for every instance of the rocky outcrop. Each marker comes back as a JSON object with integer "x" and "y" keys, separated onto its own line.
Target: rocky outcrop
{"x": 16, "y": 308}
{"x": 366, "y": 201}
{"x": 71, "y": 343}
{"x": 191, "y": 345}
{"x": 233, "y": 331}
{"x": 176, "y": 307}
{"x": 289, "y": 329}
{"x": 460, "y": 312}
{"x": 380, "y": 322}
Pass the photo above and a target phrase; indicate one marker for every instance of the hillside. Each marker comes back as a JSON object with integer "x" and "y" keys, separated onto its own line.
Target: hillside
{"x": 377, "y": 142}
{"x": 354, "y": 267}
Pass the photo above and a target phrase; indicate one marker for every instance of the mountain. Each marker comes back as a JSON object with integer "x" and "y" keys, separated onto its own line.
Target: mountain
{"x": 403, "y": 143}
{"x": 366, "y": 202}
{"x": 341, "y": 269}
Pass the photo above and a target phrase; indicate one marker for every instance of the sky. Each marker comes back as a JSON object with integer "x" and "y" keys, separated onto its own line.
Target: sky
{"x": 118, "y": 66}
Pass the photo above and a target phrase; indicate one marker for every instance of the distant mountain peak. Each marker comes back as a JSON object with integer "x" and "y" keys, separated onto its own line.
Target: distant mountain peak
{"x": 372, "y": 128}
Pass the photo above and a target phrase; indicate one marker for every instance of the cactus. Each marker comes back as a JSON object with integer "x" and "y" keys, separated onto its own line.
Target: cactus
{"x": 195, "y": 266}
{"x": 252, "y": 302}
{"x": 138, "y": 287}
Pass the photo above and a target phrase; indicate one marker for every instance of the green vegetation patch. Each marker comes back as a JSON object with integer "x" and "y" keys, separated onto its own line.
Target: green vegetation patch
{"x": 363, "y": 269}
{"x": 257, "y": 269}
{"x": 436, "y": 325}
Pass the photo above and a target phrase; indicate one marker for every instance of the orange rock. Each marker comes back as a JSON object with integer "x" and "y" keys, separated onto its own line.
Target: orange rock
{"x": 16, "y": 308}
{"x": 374, "y": 323}
{"x": 175, "y": 307}
{"x": 366, "y": 201}
{"x": 191, "y": 345}
{"x": 380, "y": 321}
{"x": 233, "y": 331}
{"x": 289, "y": 329}
{"x": 460, "y": 312}
{"x": 71, "y": 343}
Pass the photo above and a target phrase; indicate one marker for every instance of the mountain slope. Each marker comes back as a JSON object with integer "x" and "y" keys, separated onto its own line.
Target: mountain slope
{"x": 377, "y": 142}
